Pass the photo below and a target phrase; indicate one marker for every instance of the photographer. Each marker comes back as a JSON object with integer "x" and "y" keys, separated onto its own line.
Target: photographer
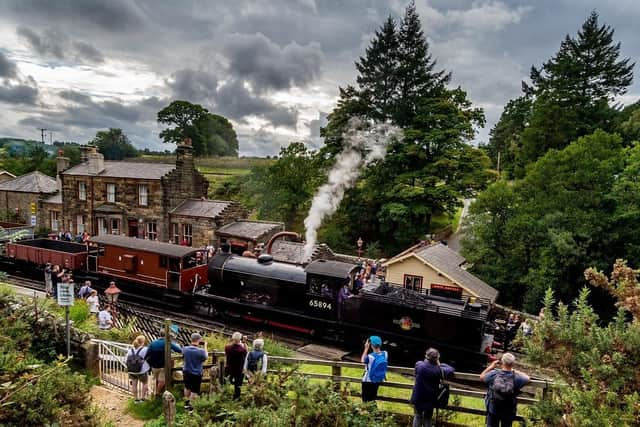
{"x": 194, "y": 357}
{"x": 429, "y": 372}
{"x": 375, "y": 368}
{"x": 504, "y": 384}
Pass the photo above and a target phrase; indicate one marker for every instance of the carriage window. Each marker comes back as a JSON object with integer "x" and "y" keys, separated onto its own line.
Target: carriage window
{"x": 163, "y": 261}
{"x": 174, "y": 264}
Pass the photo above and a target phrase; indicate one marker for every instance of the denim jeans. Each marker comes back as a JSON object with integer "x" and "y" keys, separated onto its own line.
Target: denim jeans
{"x": 422, "y": 418}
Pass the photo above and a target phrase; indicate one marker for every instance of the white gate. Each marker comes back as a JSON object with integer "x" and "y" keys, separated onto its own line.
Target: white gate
{"x": 113, "y": 364}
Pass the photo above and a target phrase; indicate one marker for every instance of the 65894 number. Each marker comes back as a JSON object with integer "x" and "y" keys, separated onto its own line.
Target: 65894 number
{"x": 320, "y": 304}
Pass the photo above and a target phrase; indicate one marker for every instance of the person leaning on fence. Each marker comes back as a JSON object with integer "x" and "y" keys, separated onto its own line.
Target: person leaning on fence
{"x": 194, "y": 357}
{"x": 155, "y": 357}
{"x": 256, "y": 357}
{"x": 138, "y": 368}
{"x": 424, "y": 397}
{"x": 375, "y": 368}
{"x": 504, "y": 385}
{"x": 235, "y": 355}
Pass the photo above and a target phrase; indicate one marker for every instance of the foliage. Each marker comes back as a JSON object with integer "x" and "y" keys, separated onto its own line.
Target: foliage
{"x": 545, "y": 229}
{"x": 210, "y": 134}
{"x": 34, "y": 393}
{"x": 598, "y": 364}
{"x": 283, "y": 190}
{"x": 283, "y": 399}
{"x": 114, "y": 144}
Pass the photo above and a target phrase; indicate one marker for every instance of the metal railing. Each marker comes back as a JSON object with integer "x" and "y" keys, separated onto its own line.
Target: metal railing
{"x": 113, "y": 365}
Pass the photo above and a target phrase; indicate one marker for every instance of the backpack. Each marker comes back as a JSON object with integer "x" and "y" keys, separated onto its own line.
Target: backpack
{"x": 503, "y": 394}
{"x": 378, "y": 369}
{"x": 134, "y": 361}
{"x": 253, "y": 358}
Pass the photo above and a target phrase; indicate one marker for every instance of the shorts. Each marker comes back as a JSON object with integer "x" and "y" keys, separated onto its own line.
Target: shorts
{"x": 158, "y": 374}
{"x": 192, "y": 382}
{"x": 140, "y": 377}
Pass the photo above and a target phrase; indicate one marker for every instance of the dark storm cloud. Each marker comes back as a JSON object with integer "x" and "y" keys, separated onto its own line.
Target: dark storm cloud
{"x": 112, "y": 15}
{"x": 53, "y": 43}
{"x": 231, "y": 98}
{"x": 269, "y": 66}
{"x": 192, "y": 85}
{"x": 19, "y": 94}
{"x": 8, "y": 68}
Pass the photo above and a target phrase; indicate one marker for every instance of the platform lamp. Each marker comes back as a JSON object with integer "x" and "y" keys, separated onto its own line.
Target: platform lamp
{"x": 112, "y": 293}
{"x": 359, "y": 243}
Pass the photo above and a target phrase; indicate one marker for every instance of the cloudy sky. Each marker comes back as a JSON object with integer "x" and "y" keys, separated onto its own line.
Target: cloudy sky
{"x": 273, "y": 66}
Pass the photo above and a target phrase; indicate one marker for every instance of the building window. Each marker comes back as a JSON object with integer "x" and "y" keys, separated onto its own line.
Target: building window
{"x": 152, "y": 231}
{"x": 82, "y": 191}
{"x": 80, "y": 224}
{"x": 103, "y": 226}
{"x": 115, "y": 226}
{"x": 187, "y": 233}
{"x": 55, "y": 221}
{"x": 143, "y": 195}
{"x": 175, "y": 232}
{"x": 111, "y": 193}
{"x": 413, "y": 282}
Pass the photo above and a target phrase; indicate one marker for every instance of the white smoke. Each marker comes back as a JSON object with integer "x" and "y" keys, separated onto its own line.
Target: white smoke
{"x": 361, "y": 138}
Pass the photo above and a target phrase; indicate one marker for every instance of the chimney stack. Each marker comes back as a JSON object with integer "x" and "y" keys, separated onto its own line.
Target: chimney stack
{"x": 95, "y": 159}
{"x": 62, "y": 164}
{"x": 184, "y": 156}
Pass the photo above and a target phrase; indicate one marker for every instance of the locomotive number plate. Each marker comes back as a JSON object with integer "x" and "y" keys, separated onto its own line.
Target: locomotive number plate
{"x": 320, "y": 304}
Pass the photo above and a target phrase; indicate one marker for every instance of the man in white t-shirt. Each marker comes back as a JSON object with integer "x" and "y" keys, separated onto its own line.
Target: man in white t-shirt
{"x": 93, "y": 301}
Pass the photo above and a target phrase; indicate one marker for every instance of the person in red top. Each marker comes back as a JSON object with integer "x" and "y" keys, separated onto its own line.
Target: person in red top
{"x": 235, "y": 354}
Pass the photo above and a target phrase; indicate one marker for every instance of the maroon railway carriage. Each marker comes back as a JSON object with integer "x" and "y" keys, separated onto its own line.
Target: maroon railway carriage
{"x": 156, "y": 264}
{"x": 38, "y": 252}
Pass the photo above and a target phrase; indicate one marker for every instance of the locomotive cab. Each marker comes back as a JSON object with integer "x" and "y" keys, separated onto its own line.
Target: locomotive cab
{"x": 324, "y": 281}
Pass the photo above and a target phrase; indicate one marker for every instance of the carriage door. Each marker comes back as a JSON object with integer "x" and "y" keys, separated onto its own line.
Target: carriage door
{"x": 173, "y": 274}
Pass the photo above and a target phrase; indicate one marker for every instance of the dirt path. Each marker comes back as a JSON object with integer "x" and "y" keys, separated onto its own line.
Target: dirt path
{"x": 113, "y": 405}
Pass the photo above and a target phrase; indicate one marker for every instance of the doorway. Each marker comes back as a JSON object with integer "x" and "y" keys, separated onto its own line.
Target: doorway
{"x": 133, "y": 228}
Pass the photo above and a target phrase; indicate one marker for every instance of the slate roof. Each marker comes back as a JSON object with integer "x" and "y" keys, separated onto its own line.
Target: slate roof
{"x": 250, "y": 230}
{"x": 56, "y": 199}
{"x": 144, "y": 245}
{"x": 201, "y": 208}
{"x": 291, "y": 252}
{"x": 140, "y": 170}
{"x": 449, "y": 263}
{"x": 34, "y": 182}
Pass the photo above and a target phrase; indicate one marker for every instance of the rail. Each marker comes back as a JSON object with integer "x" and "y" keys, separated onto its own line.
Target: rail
{"x": 461, "y": 384}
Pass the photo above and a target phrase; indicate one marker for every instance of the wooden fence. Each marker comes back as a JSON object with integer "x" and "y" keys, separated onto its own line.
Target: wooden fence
{"x": 462, "y": 384}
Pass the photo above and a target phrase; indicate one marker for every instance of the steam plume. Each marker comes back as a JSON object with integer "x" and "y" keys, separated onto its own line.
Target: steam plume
{"x": 364, "y": 143}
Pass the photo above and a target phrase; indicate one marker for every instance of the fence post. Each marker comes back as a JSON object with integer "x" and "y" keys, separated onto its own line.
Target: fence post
{"x": 168, "y": 373}
{"x": 221, "y": 372}
{"x": 336, "y": 371}
{"x": 169, "y": 408}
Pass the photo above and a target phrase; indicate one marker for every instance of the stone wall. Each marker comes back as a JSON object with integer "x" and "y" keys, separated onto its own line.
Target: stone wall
{"x": 10, "y": 200}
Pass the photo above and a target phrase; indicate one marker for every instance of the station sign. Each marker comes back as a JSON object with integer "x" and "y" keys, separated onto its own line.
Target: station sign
{"x": 34, "y": 220}
{"x": 65, "y": 294}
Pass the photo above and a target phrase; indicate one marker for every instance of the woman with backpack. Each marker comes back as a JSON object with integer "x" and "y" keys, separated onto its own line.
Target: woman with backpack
{"x": 375, "y": 372}
{"x": 138, "y": 368}
{"x": 254, "y": 358}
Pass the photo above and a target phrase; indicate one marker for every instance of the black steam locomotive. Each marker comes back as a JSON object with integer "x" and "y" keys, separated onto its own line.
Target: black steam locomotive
{"x": 307, "y": 300}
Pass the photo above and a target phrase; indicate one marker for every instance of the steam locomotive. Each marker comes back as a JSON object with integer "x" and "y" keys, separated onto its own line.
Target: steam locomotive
{"x": 307, "y": 300}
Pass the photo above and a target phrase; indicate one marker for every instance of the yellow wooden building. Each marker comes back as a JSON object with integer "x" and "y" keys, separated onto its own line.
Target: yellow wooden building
{"x": 433, "y": 268}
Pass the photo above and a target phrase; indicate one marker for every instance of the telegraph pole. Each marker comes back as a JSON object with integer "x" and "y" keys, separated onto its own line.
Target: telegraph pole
{"x": 42, "y": 130}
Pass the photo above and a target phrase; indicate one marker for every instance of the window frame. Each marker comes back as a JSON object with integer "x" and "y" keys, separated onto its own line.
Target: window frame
{"x": 152, "y": 230}
{"x": 112, "y": 228}
{"x": 109, "y": 198}
{"x": 80, "y": 224}
{"x": 82, "y": 190}
{"x": 143, "y": 195}
{"x": 187, "y": 236}
{"x": 55, "y": 223}
{"x": 413, "y": 279}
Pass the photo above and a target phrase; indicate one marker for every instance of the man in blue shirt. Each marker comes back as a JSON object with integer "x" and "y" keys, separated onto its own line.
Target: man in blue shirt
{"x": 429, "y": 372}
{"x": 155, "y": 357}
{"x": 504, "y": 385}
{"x": 194, "y": 357}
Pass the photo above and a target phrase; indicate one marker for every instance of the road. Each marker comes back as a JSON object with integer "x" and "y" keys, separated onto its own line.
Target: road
{"x": 454, "y": 240}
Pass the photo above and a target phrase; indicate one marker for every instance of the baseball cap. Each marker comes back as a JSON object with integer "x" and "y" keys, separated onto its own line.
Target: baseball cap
{"x": 196, "y": 336}
{"x": 174, "y": 329}
{"x": 375, "y": 340}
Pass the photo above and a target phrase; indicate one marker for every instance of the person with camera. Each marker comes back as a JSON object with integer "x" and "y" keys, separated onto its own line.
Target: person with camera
{"x": 504, "y": 384}
{"x": 235, "y": 354}
{"x": 194, "y": 356}
{"x": 375, "y": 372}
{"x": 424, "y": 398}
